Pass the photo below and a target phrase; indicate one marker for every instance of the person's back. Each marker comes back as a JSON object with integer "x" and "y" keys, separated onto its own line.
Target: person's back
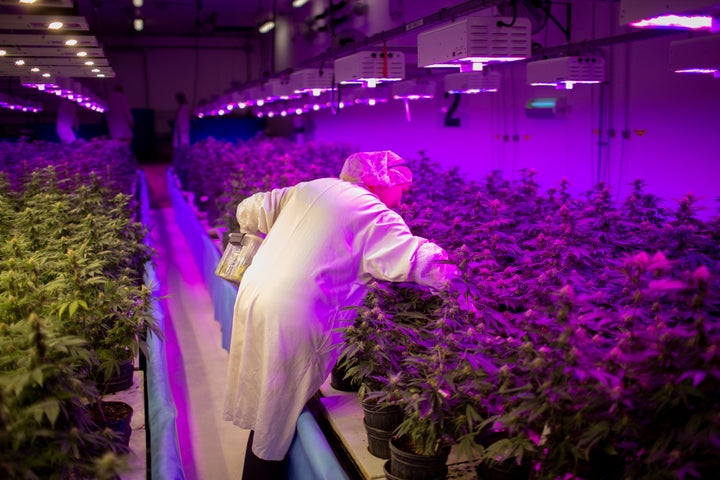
{"x": 181, "y": 128}
{"x": 313, "y": 217}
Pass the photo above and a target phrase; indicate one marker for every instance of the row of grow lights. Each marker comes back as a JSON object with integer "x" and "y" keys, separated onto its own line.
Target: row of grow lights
{"x": 68, "y": 89}
{"x": 281, "y": 98}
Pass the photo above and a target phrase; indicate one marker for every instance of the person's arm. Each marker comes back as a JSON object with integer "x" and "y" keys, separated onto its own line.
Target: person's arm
{"x": 391, "y": 252}
{"x": 258, "y": 212}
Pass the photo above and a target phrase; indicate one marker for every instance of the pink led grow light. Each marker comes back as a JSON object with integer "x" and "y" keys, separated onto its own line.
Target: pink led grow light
{"x": 692, "y": 22}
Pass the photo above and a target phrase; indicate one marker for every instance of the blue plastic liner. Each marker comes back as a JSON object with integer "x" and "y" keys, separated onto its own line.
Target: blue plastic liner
{"x": 165, "y": 459}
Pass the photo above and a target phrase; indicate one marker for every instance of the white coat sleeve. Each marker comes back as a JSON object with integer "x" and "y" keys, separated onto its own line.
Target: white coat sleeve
{"x": 393, "y": 253}
{"x": 258, "y": 212}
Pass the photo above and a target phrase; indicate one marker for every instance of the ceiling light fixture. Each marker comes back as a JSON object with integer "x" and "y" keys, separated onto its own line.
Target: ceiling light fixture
{"x": 266, "y": 26}
{"x": 27, "y": 1}
{"x": 679, "y": 14}
{"x": 370, "y": 68}
{"x": 138, "y": 24}
{"x": 137, "y": 3}
{"x": 90, "y": 63}
{"x": 55, "y": 25}
{"x": 564, "y": 72}
{"x": 82, "y": 53}
{"x": 312, "y": 80}
{"x": 696, "y": 55}
{"x": 416, "y": 89}
{"x": 475, "y": 41}
{"x": 71, "y": 42}
{"x": 11, "y": 103}
{"x": 299, "y": 3}
{"x": 278, "y": 89}
{"x": 20, "y": 62}
{"x": 472, "y": 82}
{"x": 65, "y": 87}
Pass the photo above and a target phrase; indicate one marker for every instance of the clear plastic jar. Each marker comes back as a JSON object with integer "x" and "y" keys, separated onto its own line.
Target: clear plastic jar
{"x": 238, "y": 255}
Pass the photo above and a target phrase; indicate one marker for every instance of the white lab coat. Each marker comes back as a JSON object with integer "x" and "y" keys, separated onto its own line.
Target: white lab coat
{"x": 119, "y": 117}
{"x": 67, "y": 121}
{"x": 325, "y": 240}
{"x": 181, "y": 133}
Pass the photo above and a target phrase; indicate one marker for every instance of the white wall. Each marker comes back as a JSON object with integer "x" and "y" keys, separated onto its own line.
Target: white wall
{"x": 153, "y": 73}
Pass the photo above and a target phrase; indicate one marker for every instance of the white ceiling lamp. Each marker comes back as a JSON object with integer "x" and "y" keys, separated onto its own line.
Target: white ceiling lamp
{"x": 299, "y": 3}
{"x": 683, "y": 14}
{"x": 475, "y": 41}
{"x": 472, "y": 82}
{"x": 266, "y": 25}
{"x": 137, "y": 3}
{"x": 565, "y": 72}
{"x": 138, "y": 24}
{"x": 43, "y": 22}
{"x": 312, "y": 80}
{"x": 48, "y": 40}
{"x": 696, "y": 55}
{"x": 370, "y": 68}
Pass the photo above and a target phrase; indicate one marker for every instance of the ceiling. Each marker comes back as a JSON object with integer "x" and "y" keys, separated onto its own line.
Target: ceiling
{"x": 25, "y": 37}
{"x": 173, "y": 17}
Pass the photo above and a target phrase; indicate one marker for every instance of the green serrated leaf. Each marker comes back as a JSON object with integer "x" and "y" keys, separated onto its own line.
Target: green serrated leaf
{"x": 37, "y": 376}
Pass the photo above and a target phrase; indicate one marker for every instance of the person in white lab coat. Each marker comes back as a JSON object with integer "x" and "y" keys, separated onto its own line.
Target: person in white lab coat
{"x": 118, "y": 115}
{"x": 325, "y": 240}
{"x": 67, "y": 121}
{"x": 181, "y": 128}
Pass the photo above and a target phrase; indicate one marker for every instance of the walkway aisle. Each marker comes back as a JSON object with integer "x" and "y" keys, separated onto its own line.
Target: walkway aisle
{"x": 211, "y": 448}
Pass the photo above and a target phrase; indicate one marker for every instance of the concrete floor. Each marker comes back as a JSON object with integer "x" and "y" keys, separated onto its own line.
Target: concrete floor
{"x": 211, "y": 448}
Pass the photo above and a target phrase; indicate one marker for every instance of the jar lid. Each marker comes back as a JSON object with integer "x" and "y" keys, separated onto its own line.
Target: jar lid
{"x": 236, "y": 238}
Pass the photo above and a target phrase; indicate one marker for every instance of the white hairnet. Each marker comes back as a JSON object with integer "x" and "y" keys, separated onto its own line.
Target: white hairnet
{"x": 376, "y": 169}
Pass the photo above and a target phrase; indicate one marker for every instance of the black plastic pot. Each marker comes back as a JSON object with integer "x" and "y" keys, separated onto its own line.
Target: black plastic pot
{"x": 120, "y": 379}
{"x": 339, "y": 382}
{"x": 378, "y": 441}
{"x": 382, "y": 416}
{"x": 115, "y": 416}
{"x": 380, "y": 422}
{"x": 406, "y": 465}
